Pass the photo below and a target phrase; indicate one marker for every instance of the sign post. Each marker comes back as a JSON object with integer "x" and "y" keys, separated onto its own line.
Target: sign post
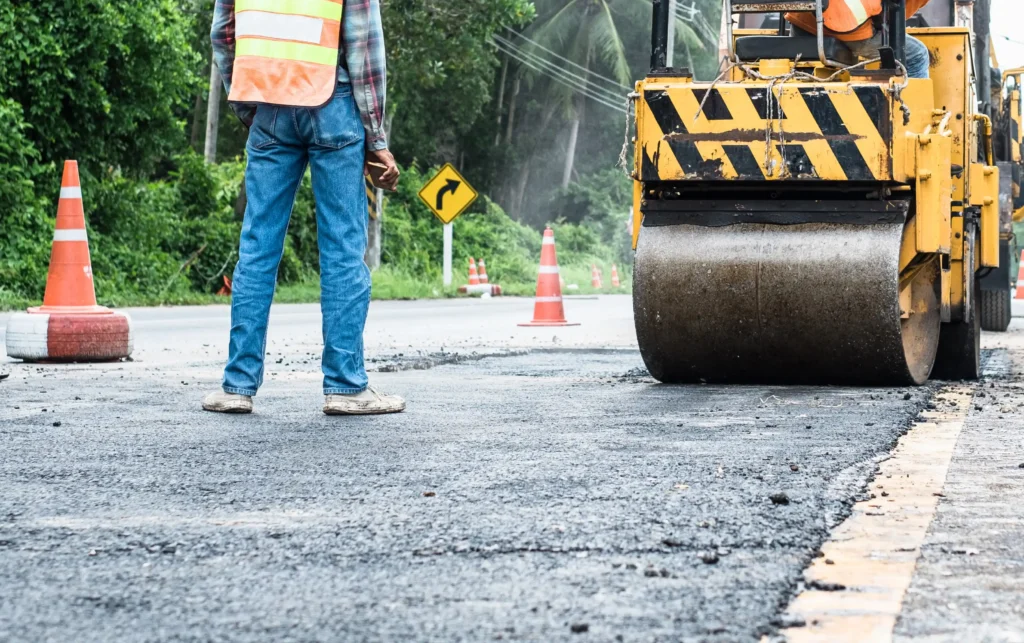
{"x": 448, "y": 195}
{"x": 447, "y": 269}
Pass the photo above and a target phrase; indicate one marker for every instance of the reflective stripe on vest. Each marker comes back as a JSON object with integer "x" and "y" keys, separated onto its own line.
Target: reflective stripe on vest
{"x": 860, "y": 13}
{"x": 286, "y": 51}
{"x": 844, "y": 16}
{"x": 865, "y": 30}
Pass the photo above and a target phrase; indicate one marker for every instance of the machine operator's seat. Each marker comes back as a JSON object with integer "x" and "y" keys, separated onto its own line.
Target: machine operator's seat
{"x": 800, "y": 44}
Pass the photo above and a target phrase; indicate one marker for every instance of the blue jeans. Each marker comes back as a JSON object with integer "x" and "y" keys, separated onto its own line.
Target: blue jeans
{"x": 282, "y": 142}
{"x": 918, "y": 59}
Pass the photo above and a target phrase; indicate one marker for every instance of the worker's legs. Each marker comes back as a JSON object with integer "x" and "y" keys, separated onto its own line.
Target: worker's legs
{"x": 277, "y": 161}
{"x": 336, "y": 157}
{"x": 918, "y": 60}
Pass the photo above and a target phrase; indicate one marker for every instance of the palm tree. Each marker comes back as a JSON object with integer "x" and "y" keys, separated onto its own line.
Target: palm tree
{"x": 587, "y": 32}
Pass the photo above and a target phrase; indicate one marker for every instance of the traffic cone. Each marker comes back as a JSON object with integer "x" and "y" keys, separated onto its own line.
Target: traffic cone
{"x": 595, "y": 277}
{"x": 225, "y": 290}
{"x": 1020, "y": 278}
{"x": 474, "y": 279}
{"x": 615, "y": 277}
{"x": 483, "y": 273}
{"x": 69, "y": 326}
{"x": 547, "y": 307}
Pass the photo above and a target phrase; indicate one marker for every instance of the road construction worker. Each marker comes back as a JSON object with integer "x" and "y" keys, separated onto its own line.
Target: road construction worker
{"x": 308, "y": 79}
{"x": 855, "y": 22}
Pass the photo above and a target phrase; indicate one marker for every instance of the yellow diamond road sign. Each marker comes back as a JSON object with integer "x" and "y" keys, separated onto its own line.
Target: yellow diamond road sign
{"x": 447, "y": 194}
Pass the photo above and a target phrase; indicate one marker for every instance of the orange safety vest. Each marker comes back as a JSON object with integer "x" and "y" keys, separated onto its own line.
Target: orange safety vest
{"x": 849, "y": 20}
{"x": 286, "y": 51}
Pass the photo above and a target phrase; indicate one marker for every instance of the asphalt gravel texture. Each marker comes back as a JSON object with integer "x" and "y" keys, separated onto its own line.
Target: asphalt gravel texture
{"x": 546, "y": 496}
{"x": 967, "y": 585}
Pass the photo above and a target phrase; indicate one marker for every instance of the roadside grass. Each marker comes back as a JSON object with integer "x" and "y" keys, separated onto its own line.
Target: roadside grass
{"x": 388, "y": 284}
{"x": 10, "y": 301}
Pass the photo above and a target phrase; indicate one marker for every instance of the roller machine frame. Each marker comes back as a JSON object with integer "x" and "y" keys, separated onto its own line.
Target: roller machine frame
{"x": 811, "y": 218}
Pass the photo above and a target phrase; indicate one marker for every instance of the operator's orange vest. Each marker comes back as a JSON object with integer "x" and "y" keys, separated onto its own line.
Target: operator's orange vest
{"x": 286, "y": 51}
{"x": 849, "y": 20}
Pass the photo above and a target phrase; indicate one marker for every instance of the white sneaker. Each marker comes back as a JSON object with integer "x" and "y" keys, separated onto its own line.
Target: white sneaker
{"x": 369, "y": 402}
{"x": 221, "y": 402}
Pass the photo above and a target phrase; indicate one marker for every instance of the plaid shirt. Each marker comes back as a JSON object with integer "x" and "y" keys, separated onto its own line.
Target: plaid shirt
{"x": 364, "y": 62}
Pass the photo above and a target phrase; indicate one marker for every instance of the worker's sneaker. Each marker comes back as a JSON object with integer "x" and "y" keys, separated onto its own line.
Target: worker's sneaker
{"x": 221, "y": 402}
{"x": 369, "y": 402}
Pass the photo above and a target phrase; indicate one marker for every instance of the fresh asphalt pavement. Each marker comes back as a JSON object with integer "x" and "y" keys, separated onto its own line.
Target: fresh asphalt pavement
{"x": 540, "y": 487}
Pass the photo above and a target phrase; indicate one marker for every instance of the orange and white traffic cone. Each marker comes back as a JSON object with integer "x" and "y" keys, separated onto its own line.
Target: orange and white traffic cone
{"x": 483, "y": 273}
{"x": 474, "y": 278}
{"x": 547, "y": 307}
{"x": 1020, "y": 278}
{"x": 595, "y": 277}
{"x": 615, "y": 277}
{"x": 69, "y": 326}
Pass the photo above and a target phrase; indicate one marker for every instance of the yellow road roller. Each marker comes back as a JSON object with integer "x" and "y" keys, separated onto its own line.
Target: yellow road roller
{"x": 812, "y": 217}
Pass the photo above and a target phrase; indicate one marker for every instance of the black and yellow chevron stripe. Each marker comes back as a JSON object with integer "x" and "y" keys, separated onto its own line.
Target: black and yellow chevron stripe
{"x": 371, "y": 199}
{"x": 829, "y": 132}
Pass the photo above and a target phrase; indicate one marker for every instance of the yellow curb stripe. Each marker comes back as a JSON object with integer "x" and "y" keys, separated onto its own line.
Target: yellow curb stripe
{"x": 874, "y": 552}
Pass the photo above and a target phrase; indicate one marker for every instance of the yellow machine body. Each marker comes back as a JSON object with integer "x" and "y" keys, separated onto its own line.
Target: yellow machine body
{"x": 809, "y": 136}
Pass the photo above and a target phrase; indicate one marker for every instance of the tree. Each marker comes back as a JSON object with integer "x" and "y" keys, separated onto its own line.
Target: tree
{"x": 589, "y": 34}
{"x": 584, "y": 31}
{"x": 441, "y": 69}
{"x": 102, "y": 81}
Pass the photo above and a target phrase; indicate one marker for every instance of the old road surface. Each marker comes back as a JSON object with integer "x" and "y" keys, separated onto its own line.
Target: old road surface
{"x": 540, "y": 487}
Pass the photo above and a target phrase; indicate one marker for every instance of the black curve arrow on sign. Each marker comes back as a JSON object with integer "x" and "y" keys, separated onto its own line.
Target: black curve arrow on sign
{"x": 447, "y": 189}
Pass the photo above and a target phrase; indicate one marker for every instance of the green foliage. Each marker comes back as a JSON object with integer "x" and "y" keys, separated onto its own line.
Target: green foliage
{"x": 441, "y": 68}
{"x": 24, "y": 228}
{"x": 602, "y": 203}
{"x": 413, "y": 237}
{"x": 170, "y": 241}
{"x": 112, "y": 83}
{"x": 163, "y": 238}
{"x": 100, "y": 81}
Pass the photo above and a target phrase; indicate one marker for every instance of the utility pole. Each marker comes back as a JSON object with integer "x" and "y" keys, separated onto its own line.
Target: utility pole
{"x": 500, "y": 102}
{"x": 374, "y": 228}
{"x": 212, "y": 115}
{"x": 670, "y": 44}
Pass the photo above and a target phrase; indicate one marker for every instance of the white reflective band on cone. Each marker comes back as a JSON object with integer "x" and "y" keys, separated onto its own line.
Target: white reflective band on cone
{"x": 260, "y": 24}
{"x": 547, "y": 300}
{"x": 71, "y": 193}
{"x": 548, "y": 241}
{"x": 70, "y": 235}
{"x": 549, "y": 270}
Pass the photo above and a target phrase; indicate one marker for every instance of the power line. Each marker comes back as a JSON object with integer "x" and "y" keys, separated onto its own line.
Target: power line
{"x": 582, "y": 81}
{"x": 1009, "y": 39}
{"x": 695, "y": 17}
{"x": 591, "y": 72}
{"x": 539, "y": 68}
{"x": 560, "y": 75}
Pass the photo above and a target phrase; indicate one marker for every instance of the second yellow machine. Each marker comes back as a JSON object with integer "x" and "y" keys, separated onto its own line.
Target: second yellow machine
{"x": 810, "y": 217}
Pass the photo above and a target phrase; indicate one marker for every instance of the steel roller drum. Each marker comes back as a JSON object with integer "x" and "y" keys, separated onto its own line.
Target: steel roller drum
{"x": 806, "y": 303}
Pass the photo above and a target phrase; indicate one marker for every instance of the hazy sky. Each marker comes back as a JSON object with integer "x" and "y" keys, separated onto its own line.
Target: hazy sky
{"x": 1008, "y": 32}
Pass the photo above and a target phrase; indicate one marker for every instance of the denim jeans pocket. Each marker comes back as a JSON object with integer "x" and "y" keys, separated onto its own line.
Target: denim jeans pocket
{"x": 261, "y": 134}
{"x": 337, "y": 124}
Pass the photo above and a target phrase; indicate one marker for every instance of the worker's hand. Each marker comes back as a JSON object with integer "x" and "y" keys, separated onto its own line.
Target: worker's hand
{"x": 389, "y": 178}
